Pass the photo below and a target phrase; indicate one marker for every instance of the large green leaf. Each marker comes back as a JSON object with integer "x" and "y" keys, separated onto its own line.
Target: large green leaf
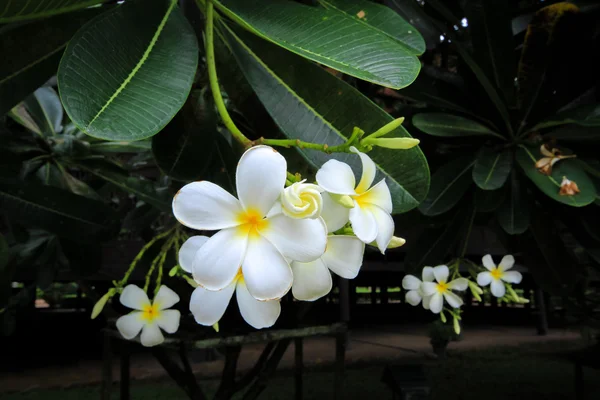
{"x": 448, "y": 185}
{"x": 127, "y": 73}
{"x": 550, "y": 185}
{"x": 489, "y": 200}
{"x": 587, "y": 115}
{"x": 31, "y": 53}
{"x": 492, "y": 167}
{"x": 309, "y": 104}
{"x": 57, "y": 210}
{"x": 46, "y": 110}
{"x": 575, "y": 133}
{"x": 122, "y": 147}
{"x": 513, "y": 214}
{"x": 328, "y": 37}
{"x": 382, "y": 19}
{"x": 21, "y": 10}
{"x": 442, "y": 124}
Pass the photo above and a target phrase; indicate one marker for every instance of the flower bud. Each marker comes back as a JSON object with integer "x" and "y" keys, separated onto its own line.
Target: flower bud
{"x": 343, "y": 200}
{"x": 443, "y": 317}
{"x": 456, "y": 326}
{"x": 398, "y": 143}
{"x": 302, "y": 200}
{"x": 396, "y": 242}
{"x": 99, "y": 306}
{"x": 216, "y": 327}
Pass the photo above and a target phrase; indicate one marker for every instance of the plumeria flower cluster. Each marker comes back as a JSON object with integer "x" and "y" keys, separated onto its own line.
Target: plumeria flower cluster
{"x": 273, "y": 238}
{"x": 436, "y": 288}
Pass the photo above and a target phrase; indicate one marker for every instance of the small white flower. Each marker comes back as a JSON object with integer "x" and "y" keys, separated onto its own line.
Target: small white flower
{"x": 150, "y": 317}
{"x": 496, "y": 276}
{"x": 442, "y": 289}
{"x": 249, "y": 236}
{"x": 208, "y": 306}
{"x": 370, "y": 216}
{"x": 302, "y": 200}
{"x": 414, "y": 295}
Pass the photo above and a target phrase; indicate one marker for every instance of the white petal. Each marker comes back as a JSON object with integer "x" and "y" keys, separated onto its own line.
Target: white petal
{"x": 428, "y": 275}
{"x": 512, "y": 277}
{"x": 336, "y": 177}
{"x": 426, "y": 301}
{"x": 134, "y": 297}
{"x": 368, "y": 171}
{"x": 276, "y": 209}
{"x": 311, "y": 280}
{"x": 206, "y": 206}
{"x": 260, "y": 178}
{"x": 267, "y": 274}
{"x": 208, "y": 307}
{"x": 484, "y": 278}
{"x": 188, "y": 250}
{"x": 218, "y": 261}
{"x": 507, "y": 263}
{"x": 258, "y": 314}
{"x": 488, "y": 263}
{"x": 453, "y": 299}
{"x": 151, "y": 335}
{"x": 379, "y": 195}
{"x": 459, "y": 284}
{"x": 130, "y": 325}
{"x": 441, "y": 273}
{"x": 436, "y": 303}
{"x": 165, "y": 298}
{"x": 429, "y": 288}
{"x": 344, "y": 255}
{"x": 410, "y": 282}
{"x": 385, "y": 228}
{"x": 301, "y": 240}
{"x": 363, "y": 223}
{"x": 498, "y": 289}
{"x": 413, "y": 297}
{"x": 169, "y": 320}
{"x": 335, "y": 215}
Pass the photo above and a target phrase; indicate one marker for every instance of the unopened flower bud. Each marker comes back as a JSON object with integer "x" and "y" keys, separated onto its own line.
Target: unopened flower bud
{"x": 99, "y": 306}
{"x": 302, "y": 200}
{"x": 443, "y": 317}
{"x": 398, "y": 143}
{"x": 343, "y": 200}
{"x": 456, "y": 326}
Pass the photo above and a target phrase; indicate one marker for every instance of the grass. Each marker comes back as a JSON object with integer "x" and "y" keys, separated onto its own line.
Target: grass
{"x": 524, "y": 372}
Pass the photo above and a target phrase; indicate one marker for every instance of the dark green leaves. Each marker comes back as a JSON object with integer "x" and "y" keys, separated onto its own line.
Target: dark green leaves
{"x": 127, "y": 73}
{"x": 448, "y": 185}
{"x": 309, "y": 104}
{"x": 21, "y": 10}
{"x": 441, "y": 124}
{"x": 513, "y": 214}
{"x": 492, "y": 167}
{"x": 328, "y": 37}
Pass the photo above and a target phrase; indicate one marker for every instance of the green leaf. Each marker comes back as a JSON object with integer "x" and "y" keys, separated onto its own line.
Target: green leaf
{"x": 550, "y": 185}
{"x": 4, "y": 254}
{"x": 32, "y": 53}
{"x": 122, "y": 147}
{"x": 382, "y": 19}
{"x": 127, "y": 73}
{"x": 513, "y": 215}
{"x": 489, "y": 200}
{"x": 586, "y": 115}
{"x": 442, "y": 124}
{"x": 22, "y": 10}
{"x": 328, "y": 37}
{"x": 46, "y": 110}
{"x": 492, "y": 168}
{"x": 448, "y": 185}
{"x": 56, "y": 210}
{"x": 308, "y": 103}
{"x": 575, "y": 133}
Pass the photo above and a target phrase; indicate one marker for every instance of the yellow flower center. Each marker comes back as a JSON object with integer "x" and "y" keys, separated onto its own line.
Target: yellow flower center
{"x": 442, "y": 287}
{"x": 150, "y": 313}
{"x": 251, "y": 222}
{"x": 496, "y": 273}
{"x": 239, "y": 276}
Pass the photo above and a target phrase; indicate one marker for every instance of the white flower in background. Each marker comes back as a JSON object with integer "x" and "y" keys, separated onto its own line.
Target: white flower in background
{"x": 415, "y": 295}
{"x": 496, "y": 276}
{"x": 209, "y": 306}
{"x": 344, "y": 256}
{"x": 246, "y": 236}
{"x": 442, "y": 289}
{"x": 372, "y": 206}
{"x": 302, "y": 200}
{"x": 150, "y": 317}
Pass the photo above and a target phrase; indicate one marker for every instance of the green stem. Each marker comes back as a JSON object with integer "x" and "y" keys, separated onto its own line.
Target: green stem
{"x": 341, "y": 148}
{"x": 214, "y": 82}
{"x": 139, "y": 256}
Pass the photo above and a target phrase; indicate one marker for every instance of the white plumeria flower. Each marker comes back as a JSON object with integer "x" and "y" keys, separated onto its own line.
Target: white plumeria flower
{"x": 414, "y": 295}
{"x": 247, "y": 236}
{"x": 150, "y": 317}
{"x": 442, "y": 289}
{"x": 496, "y": 276}
{"x": 302, "y": 200}
{"x": 370, "y": 216}
{"x": 208, "y": 306}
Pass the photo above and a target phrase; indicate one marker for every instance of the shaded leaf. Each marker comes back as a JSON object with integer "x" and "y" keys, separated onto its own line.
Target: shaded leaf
{"x": 514, "y": 213}
{"x": 412, "y": 11}
{"x": 492, "y": 168}
{"x": 4, "y": 254}
{"x": 448, "y": 185}
{"x": 442, "y": 124}
{"x": 575, "y": 133}
{"x": 344, "y": 44}
{"x": 587, "y": 115}
{"x": 22, "y": 10}
{"x": 45, "y": 109}
{"x": 308, "y": 103}
{"x": 127, "y": 73}
{"x": 122, "y": 147}
{"x": 489, "y": 200}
